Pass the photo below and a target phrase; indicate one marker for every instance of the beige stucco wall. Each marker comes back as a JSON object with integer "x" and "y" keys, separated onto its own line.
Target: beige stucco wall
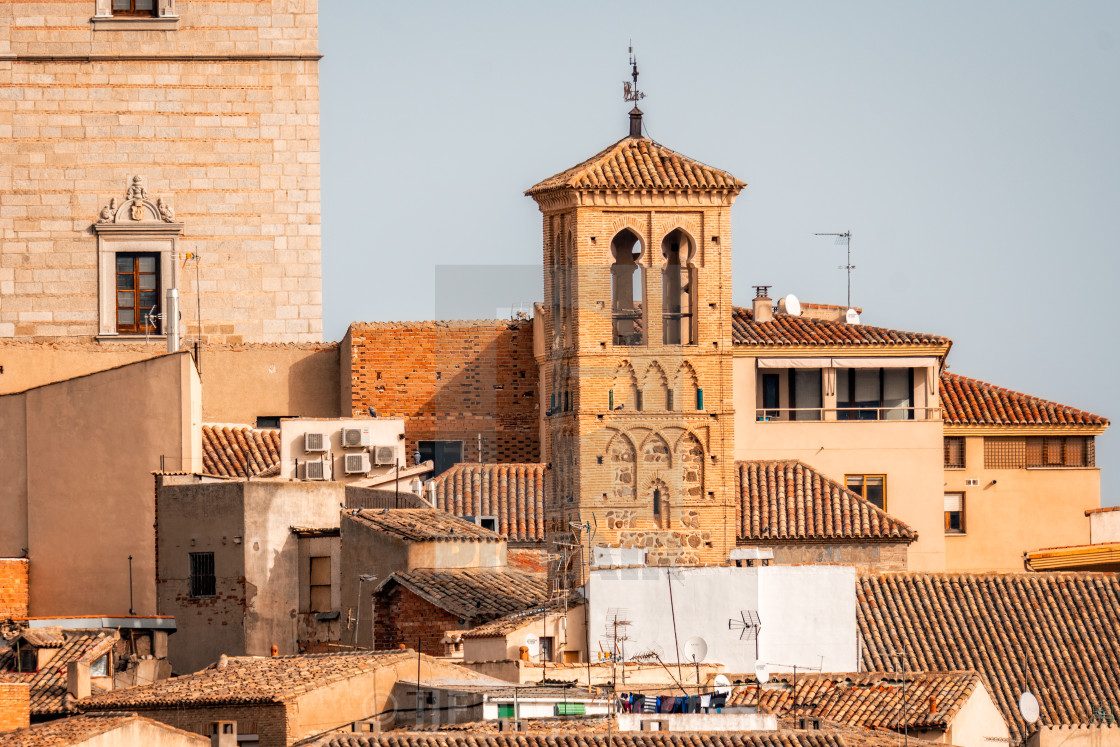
{"x": 1104, "y": 526}
{"x": 240, "y": 382}
{"x": 566, "y": 630}
{"x": 1081, "y": 735}
{"x": 145, "y": 733}
{"x": 247, "y": 525}
{"x": 978, "y": 723}
{"x": 218, "y": 110}
{"x": 908, "y": 452}
{"x": 89, "y": 446}
{"x": 1023, "y": 510}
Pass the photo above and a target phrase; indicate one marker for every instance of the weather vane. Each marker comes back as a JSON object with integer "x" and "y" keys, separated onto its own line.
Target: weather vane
{"x": 630, "y": 90}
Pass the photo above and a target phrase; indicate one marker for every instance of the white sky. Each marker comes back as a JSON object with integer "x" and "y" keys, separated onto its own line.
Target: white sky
{"x": 973, "y": 149}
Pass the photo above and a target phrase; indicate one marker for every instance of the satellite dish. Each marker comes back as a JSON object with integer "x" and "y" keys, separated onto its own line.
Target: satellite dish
{"x": 533, "y": 643}
{"x": 793, "y": 306}
{"x": 695, "y": 649}
{"x": 762, "y": 674}
{"x": 852, "y": 316}
{"x": 722, "y": 684}
{"x": 1028, "y": 707}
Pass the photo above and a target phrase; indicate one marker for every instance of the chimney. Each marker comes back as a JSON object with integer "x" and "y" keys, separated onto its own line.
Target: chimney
{"x": 77, "y": 679}
{"x": 635, "y": 122}
{"x": 763, "y": 310}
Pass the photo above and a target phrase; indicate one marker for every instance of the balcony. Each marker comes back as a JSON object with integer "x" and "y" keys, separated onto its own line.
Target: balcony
{"x": 845, "y": 414}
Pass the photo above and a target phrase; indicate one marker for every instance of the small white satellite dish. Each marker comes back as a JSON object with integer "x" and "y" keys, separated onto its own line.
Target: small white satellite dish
{"x": 1028, "y": 707}
{"x": 722, "y": 684}
{"x": 533, "y": 643}
{"x": 762, "y": 674}
{"x": 695, "y": 649}
{"x": 793, "y": 306}
{"x": 852, "y": 316}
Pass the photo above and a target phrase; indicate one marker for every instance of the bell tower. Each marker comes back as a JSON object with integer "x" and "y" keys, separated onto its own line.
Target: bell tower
{"x": 636, "y": 364}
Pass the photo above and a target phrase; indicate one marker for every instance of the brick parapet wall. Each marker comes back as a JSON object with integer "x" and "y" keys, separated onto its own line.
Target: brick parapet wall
{"x": 15, "y": 708}
{"x": 403, "y": 617}
{"x": 450, "y": 381}
{"x": 14, "y": 590}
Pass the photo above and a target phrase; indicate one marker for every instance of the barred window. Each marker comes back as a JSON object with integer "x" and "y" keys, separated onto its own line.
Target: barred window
{"x": 954, "y": 451}
{"x": 202, "y": 575}
{"x": 1038, "y": 451}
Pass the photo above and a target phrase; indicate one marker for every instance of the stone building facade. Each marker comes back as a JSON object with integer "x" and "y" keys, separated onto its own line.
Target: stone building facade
{"x": 637, "y": 364}
{"x": 182, "y": 142}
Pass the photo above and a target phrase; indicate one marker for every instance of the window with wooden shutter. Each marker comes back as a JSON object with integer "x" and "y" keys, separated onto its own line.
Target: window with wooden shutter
{"x": 954, "y": 513}
{"x": 320, "y": 584}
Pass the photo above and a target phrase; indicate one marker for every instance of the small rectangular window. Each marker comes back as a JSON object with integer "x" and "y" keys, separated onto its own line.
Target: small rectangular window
{"x": 546, "y": 647}
{"x": 669, "y": 400}
{"x": 954, "y": 452}
{"x": 134, "y": 7}
{"x": 873, "y": 488}
{"x": 202, "y": 581}
{"x": 639, "y": 400}
{"x": 954, "y": 513}
{"x": 320, "y": 578}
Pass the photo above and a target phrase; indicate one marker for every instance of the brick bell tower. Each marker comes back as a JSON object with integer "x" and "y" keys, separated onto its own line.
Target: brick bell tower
{"x": 636, "y": 367}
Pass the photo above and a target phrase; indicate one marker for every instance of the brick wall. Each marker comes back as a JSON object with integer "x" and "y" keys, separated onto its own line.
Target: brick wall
{"x": 268, "y": 721}
{"x": 218, "y": 111}
{"x": 15, "y": 710}
{"x": 13, "y": 587}
{"x": 405, "y": 618}
{"x": 450, "y": 381}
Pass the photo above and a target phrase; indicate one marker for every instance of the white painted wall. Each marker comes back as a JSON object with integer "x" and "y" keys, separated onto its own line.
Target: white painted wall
{"x": 807, "y": 612}
{"x": 1104, "y": 526}
{"x": 383, "y": 432}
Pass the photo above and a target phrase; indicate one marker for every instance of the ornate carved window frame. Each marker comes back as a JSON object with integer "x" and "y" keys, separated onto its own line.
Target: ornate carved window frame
{"x": 137, "y": 225}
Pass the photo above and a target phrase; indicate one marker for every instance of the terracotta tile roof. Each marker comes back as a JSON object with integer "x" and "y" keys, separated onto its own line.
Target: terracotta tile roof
{"x": 512, "y": 492}
{"x": 871, "y": 700}
{"x": 423, "y": 525}
{"x": 478, "y": 594}
{"x": 973, "y": 402}
{"x": 78, "y": 729}
{"x": 48, "y": 685}
{"x": 639, "y": 163}
{"x": 1062, "y": 627}
{"x": 249, "y": 679}
{"x": 789, "y": 500}
{"x": 518, "y": 620}
{"x": 240, "y": 452}
{"x": 579, "y": 737}
{"x": 803, "y": 330}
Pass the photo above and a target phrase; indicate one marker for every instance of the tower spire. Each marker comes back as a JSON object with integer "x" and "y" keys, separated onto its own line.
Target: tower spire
{"x": 630, "y": 92}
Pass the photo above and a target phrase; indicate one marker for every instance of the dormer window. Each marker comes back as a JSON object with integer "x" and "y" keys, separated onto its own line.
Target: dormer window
{"x": 626, "y": 289}
{"x": 678, "y": 299}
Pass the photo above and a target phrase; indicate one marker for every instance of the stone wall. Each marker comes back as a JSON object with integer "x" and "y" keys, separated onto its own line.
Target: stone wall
{"x": 217, "y": 109}
{"x": 15, "y": 708}
{"x": 450, "y": 381}
{"x": 13, "y": 588}
{"x": 865, "y": 556}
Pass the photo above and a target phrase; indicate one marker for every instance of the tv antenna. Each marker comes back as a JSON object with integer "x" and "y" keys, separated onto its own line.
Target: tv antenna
{"x": 842, "y": 238}
{"x": 630, "y": 90}
{"x": 748, "y": 624}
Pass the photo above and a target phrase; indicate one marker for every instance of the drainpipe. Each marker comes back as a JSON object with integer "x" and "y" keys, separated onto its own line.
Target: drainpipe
{"x": 171, "y": 313}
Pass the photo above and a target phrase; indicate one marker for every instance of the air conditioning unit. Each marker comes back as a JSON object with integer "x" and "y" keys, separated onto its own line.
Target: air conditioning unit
{"x": 316, "y": 442}
{"x": 384, "y": 455}
{"x": 353, "y": 438}
{"x": 357, "y": 464}
{"x": 316, "y": 470}
{"x": 971, "y": 482}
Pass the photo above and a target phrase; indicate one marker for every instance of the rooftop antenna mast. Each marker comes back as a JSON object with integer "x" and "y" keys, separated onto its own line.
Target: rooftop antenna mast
{"x": 845, "y": 237}
{"x": 630, "y": 92}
